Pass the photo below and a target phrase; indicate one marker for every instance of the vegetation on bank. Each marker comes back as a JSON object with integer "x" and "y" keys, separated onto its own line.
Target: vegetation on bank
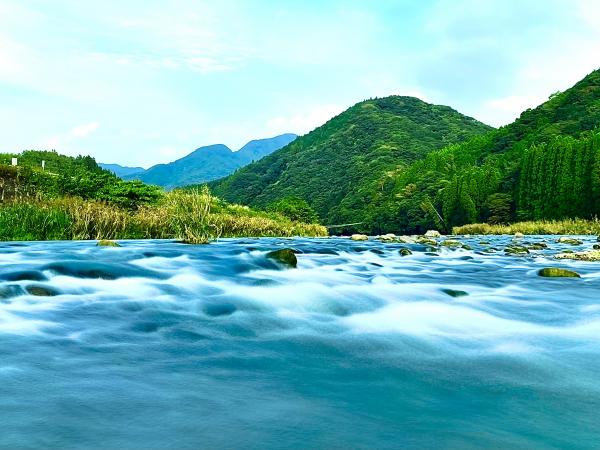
{"x": 566, "y": 226}
{"x": 379, "y": 165}
{"x": 75, "y": 199}
{"x": 192, "y": 217}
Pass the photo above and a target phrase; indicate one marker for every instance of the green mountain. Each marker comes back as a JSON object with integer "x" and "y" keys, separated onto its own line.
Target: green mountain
{"x": 209, "y": 163}
{"x": 545, "y": 165}
{"x": 338, "y": 167}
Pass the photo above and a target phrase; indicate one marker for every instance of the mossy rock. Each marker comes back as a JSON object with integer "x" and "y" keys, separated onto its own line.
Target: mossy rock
{"x": 466, "y": 247}
{"x": 432, "y": 254}
{"x": 596, "y": 246}
{"x": 285, "y": 257}
{"x": 451, "y": 243}
{"x": 568, "y": 240}
{"x": 516, "y": 250}
{"x": 432, "y": 234}
{"x": 484, "y": 242}
{"x": 41, "y": 291}
{"x": 518, "y": 236}
{"x": 557, "y": 272}
{"x": 359, "y": 237}
{"x": 426, "y": 241}
{"x": 537, "y": 246}
{"x": 404, "y": 252}
{"x": 107, "y": 243}
{"x": 454, "y": 293}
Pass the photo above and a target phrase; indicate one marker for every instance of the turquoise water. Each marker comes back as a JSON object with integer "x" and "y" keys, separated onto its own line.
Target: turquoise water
{"x": 162, "y": 345}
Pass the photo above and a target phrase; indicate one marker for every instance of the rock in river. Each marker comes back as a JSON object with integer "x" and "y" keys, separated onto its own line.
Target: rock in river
{"x": 568, "y": 240}
{"x": 590, "y": 255}
{"x": 433, "y": 234}
{"x": 107, "y": 243}
{"x": 359, "y": 237}
{"x": 557, "y": 272}
{"x": 285, "y": 256}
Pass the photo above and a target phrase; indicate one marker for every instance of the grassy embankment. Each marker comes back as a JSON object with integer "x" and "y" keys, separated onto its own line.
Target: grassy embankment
{"x": 85, "y": 202}
{"x": 194, "y": 217}
{"x": 566, "y": 226}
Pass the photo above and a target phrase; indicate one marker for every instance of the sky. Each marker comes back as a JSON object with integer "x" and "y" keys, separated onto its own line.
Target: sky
{"x": 140, "y": 82}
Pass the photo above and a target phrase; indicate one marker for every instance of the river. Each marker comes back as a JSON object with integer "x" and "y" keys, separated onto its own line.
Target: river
{"x": 161, "y": 345}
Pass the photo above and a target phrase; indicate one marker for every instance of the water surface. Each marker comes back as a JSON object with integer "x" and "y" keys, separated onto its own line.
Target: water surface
{"x": 162, "y": 345}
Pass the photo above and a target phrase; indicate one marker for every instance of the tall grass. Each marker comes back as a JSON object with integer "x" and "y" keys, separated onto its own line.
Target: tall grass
{"x": 566, "y": 226}
{"x": 190, "y": 216}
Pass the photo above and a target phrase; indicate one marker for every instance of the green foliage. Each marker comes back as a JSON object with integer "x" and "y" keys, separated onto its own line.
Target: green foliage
{"x": 67, "y": 176}
{"x": 294, "y": 208}
{"x": 565, "y": 226}
{"x": 346, "y": 168}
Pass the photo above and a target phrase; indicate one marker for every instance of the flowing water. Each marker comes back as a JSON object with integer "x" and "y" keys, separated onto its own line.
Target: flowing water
{"x": 161, "y": 345}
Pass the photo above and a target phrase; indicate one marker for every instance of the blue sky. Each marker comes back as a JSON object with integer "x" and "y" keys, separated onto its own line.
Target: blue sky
{"x": 143, "y": 82}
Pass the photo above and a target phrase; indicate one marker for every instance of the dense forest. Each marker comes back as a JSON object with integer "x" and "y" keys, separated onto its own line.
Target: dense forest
{"x": 337, "y": 167}
{"x": 409, "y": 166}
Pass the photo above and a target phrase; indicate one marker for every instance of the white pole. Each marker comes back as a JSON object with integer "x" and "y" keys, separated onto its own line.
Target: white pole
{"x": 14, "y": 161}
{"x": 43, "y": 164}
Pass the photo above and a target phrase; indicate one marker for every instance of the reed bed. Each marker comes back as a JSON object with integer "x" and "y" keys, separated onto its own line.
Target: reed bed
{"x": 190, "y": 216}
{"x": 565, "y": 226}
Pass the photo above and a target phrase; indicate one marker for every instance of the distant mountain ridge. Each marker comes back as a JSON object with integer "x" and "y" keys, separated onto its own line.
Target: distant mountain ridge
{"x": 209, "y": 163}
{"x": 121, "y": 171}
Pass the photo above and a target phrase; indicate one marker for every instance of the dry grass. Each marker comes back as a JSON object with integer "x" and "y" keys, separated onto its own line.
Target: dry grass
{"x": 566, "y": 226}
{"x": 190, "y": 216}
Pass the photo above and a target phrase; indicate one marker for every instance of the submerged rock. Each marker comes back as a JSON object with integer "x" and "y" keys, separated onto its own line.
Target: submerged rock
{"x": 568, "y": 240}
{"x": 24, "y": 275}
{"x": 404, "y": 252}
{"x": 107, "y": 243}
{"x": 557, "y": 272}
{"x": 432, "y": 234}
{"x": 454, "y": 293}
{"x": 285, "y": 256}
{"x": 537, "y": 246}
{"x": 596, "y": 246}
{"x": 41, "y": 291}
{"x": 590, "y": 255}
{"x": 359, "y": 237}
{"x": 518, "y": 236}
{"x": 452, "y": 243}
{"x": 516, "y": 250}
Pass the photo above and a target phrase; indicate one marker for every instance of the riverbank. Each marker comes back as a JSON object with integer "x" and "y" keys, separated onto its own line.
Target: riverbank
{"x": 191, "y": 216}
{"x": 542, "y": 227}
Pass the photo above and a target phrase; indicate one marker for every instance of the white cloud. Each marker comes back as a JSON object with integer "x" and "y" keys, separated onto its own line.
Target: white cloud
{"x": 60, "y": 142}
{"x": 304, "y": 122}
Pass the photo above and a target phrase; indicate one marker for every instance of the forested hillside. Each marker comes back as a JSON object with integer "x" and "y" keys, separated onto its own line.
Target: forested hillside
{"x": 399, "y": 164}
{"x": 540, "y": 166}
{"x": 338, "y": 167}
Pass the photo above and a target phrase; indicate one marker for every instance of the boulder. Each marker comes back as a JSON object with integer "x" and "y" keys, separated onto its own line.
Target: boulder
{"x": 568, "y": 240}
{"x": 432, "y": 234}
{"x": 590, "y": 255}
{"x": 557, "y": 272}
{"x": 451, "y": 243}
{"x": 404, "y": 252}
{"x": 519, "y": 235}
{"x": 285, "y": 257}
{"x": 359, "y": 237}
{"x": 107, "y": 243}
{"x": 426, "y": 241}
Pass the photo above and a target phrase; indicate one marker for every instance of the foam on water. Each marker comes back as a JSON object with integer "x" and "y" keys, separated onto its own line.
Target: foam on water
{"x": 358, "y": 345}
